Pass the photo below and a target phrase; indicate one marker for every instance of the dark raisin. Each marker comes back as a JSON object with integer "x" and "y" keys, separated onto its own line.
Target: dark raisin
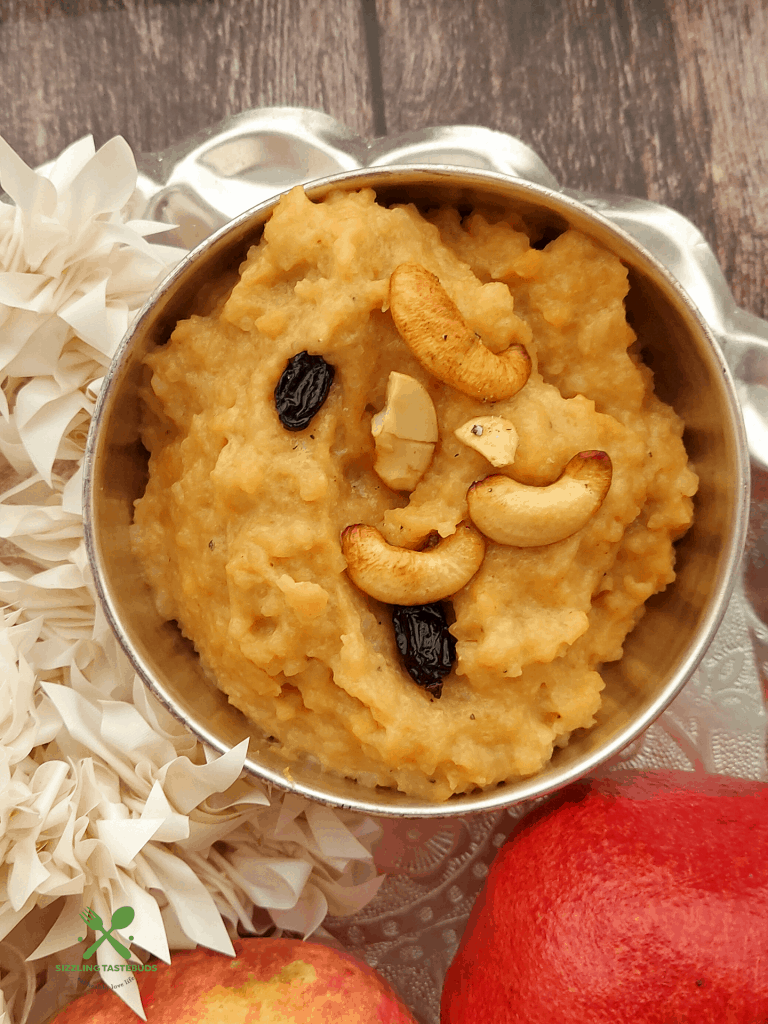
{"x": 427, "y": 648}
{"x": 302, "y": 389}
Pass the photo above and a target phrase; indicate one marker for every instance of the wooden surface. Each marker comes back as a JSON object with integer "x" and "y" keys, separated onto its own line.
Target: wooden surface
{"x": 659, "y": 98}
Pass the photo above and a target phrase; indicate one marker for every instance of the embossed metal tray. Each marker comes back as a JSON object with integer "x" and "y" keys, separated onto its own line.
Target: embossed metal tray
{"x": 436, "y": 866}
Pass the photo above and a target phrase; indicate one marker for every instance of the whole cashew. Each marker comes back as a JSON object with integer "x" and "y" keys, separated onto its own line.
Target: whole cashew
{"x": 524, "y": 516}
{"x": 434, "y": 330}
{"x": 401, "y": 576}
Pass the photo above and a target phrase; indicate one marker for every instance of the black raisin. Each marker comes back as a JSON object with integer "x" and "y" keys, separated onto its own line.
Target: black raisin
{"x": 302, "y": 389}
{"x": 427, "y": 648}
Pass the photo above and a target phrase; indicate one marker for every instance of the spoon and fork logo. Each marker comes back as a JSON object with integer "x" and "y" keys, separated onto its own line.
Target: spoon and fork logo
{"x": 121, "y": 918}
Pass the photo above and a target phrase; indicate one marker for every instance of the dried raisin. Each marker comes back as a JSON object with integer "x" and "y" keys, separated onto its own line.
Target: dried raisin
{"x": 302, "y": 389}
{"x": 426, "y": 647}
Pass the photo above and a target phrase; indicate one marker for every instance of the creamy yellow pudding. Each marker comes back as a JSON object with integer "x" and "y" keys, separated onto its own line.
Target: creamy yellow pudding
{"x": 240, "y": 531}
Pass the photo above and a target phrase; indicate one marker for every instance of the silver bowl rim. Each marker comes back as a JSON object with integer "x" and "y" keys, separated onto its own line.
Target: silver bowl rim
{"x": 535, "y": 786}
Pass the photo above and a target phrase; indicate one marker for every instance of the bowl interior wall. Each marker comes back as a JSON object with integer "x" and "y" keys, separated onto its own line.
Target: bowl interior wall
{"x": 688, "y": 375}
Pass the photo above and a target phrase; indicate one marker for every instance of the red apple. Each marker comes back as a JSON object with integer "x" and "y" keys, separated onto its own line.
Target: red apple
{"x": 274, "y": 980}
{"x": 634, "y": 900}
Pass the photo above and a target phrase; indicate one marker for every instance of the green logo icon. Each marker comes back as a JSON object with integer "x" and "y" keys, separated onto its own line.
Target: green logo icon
{"x": 121, "y": 918}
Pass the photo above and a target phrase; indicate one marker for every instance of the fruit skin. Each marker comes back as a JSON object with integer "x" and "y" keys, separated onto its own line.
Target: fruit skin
{"x": 634, "y": 900}
{"x": 203, "y": 987}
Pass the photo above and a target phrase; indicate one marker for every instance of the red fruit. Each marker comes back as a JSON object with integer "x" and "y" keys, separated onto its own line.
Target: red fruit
{"x": 269, "y": 980}
{"x": 634, "y": 900}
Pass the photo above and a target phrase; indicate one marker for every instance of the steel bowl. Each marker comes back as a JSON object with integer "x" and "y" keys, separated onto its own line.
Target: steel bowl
{"x": 659, "y": 655}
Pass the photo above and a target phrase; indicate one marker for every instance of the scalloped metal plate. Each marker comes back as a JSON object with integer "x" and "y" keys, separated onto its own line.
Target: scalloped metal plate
{"x": 437, "y": 866}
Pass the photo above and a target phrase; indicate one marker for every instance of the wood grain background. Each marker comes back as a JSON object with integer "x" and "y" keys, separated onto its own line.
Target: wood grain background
{"x": 666, "y": 99}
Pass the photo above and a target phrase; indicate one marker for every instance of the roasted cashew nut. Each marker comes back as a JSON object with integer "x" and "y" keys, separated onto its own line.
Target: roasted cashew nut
{"x": 404, "y": 433}
{"x": 401, "y": 576}
{"x": 526, "y": 516}
{"x": 434, "y": 330}
{"x": 494, "y": 437}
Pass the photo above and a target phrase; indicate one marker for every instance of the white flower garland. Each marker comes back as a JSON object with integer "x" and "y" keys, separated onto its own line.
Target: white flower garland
{"x": 105, "y": 799}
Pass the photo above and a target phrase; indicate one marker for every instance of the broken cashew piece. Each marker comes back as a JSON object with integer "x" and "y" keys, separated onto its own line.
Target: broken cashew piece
{"x": 404, "y": 432}
{"x": 432, "y": 327}
{"x": 493, "y": 436}
{"x": 401, "y": 576}
{"x": 525, "y": 516}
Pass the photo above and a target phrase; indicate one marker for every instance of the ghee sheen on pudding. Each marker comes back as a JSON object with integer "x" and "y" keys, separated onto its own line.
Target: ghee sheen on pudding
{"x": 239, "y": 529}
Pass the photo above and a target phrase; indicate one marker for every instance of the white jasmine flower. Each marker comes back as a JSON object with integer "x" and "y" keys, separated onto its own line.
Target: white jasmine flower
{"x": 106, "y": 801}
